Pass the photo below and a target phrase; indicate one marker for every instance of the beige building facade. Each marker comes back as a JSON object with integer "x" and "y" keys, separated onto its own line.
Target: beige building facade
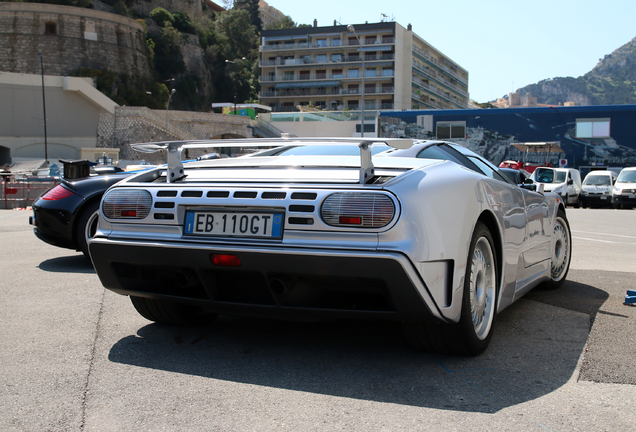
{"x": 269, "y": 14}
{"x": 73, "y": 108}
{"x": 322, "y": 67}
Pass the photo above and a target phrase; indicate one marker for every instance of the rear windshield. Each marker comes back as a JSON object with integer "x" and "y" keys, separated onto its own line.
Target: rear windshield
{"x": 331, "y": 150}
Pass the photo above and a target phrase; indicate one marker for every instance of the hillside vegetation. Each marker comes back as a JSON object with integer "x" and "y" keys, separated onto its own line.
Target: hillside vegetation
{"x": 612, "y": 81}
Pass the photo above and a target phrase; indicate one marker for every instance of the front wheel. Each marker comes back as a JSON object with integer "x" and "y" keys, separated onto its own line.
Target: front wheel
{"x": 165, "y": 312}
{"x": 561, "y": 252}
{"x": 472, "y": 334}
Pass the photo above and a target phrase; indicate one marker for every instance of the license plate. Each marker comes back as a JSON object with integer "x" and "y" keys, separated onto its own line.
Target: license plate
{"x": 603, "y": 197}
{"x": 234, "y": 224}
{"x": 632, "y": 196}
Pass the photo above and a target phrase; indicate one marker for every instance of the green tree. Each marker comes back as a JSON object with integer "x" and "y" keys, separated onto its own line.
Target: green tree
{"x": 251, "y": 6}
{"x": 161, "y": 16}
{"x": 168, "y": 58}
{"x": 183, "y": 22}
{"x": 235, "y": 38}
{"x": 283, "y": 23}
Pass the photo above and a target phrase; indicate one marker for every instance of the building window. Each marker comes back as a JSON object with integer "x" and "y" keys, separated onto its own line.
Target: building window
{"x": 370, "y": 73}
{"x": 387, "y": 88}
{"x": 353, "y": 40}
{"x": 353, "y": 73}
{"x": 593, "y": 128}
{"x": 387, "y": 72}
{"x": 335, "y": 42}
{"x": 320, "y": 104}
{"x": 321, "y": 42}
{"x": 304, "y": 75}
{"x": 450, "y": 130}
{"x": 336, "y": 73}
{"x": 369, "y": 40}
{"x": 353, "y": 89}
{"x": 352, "y": 104}
{"x": 321, "y": 58}
{"x": 369, "y": 88}
{"x": 336, "y": 57}
{"x": 288, "y": 76}
{"x": 321, "y": 74}
{"x": 50, "y": 28}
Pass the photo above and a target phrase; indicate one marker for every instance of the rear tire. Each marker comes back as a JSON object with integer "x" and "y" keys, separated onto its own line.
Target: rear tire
{"x": 86, "y": 227}
{"x": 165, "y": 312}
{"x": 561, "y": 252}
{"x": 472, "y": 334}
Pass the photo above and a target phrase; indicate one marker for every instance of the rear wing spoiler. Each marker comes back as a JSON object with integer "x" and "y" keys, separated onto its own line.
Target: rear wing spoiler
{"x": 174, "y": 149}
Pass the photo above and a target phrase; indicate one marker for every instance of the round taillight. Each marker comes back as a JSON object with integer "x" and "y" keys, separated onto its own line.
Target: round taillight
{"x": 57, "y": 193}
{"x": 362, "y": 210}
{"x": 127, "y": 204}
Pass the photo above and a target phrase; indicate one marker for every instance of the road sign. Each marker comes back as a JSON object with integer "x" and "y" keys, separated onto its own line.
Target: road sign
{"x": 563, "y": 163}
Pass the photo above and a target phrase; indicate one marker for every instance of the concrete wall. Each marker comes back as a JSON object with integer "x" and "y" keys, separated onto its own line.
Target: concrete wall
{"x": 73, "y": 109}
{"x": 82, "y": 38}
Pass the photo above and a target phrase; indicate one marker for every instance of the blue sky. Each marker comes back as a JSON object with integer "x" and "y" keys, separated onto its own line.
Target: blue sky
{"x": 504, "y": 45}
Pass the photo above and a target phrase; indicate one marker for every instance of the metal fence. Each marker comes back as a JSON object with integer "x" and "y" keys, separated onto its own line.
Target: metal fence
{"x": 23, "y": 191}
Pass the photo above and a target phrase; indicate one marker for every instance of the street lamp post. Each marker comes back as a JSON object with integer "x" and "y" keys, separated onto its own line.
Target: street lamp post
{"x": 234, "y": 62}
{"x": 167, "y": 105}
{"x": 46, "y": 146}
{"x": 353, "y": 30}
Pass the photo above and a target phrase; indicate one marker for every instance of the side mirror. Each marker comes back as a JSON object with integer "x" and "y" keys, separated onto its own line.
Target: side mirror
{"x": 529, "y": 186}
{"x": 570, "y": 181}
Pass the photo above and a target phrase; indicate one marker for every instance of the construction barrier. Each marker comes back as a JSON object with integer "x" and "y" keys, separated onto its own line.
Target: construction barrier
{"x": 23, "y": 191}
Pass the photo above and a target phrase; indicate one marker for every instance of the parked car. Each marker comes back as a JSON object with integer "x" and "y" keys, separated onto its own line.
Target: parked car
{"x": 427, "y": 233}
{"x": 624, "y": 192}
{"x": 596, "y": 190}
{"x": 66, "y": 215}
{"x": 563, "y": 181}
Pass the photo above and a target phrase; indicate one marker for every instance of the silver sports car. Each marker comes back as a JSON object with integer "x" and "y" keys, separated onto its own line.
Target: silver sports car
{"x": 423, "y": 232}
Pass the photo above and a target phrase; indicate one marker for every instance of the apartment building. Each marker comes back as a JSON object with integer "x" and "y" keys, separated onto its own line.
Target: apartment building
{"x": 322, "y": 67}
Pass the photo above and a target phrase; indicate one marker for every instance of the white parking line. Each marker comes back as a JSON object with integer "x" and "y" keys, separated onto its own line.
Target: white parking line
{"x": 603, "y": 241}
{"x": 604, "y": 234}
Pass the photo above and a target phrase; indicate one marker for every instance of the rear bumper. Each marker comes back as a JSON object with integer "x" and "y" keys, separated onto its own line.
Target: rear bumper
{"x": 300, "y": 284}
{"x": 53, "y": 221}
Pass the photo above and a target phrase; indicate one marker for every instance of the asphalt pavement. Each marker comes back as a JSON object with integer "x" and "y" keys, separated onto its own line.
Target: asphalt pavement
{"x": 76, "y": 357}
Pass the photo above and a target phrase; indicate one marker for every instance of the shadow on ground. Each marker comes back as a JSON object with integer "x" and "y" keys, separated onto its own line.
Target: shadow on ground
{"x": 68, "y": 264}
{"x": 535, "y": 350}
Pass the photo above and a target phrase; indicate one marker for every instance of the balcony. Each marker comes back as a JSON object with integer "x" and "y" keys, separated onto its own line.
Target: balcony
{"x": 329, "y": 44}
{"x": 384, "y": 75}
{"x": 453, "y": 74}
{"x": 309, "y": 61}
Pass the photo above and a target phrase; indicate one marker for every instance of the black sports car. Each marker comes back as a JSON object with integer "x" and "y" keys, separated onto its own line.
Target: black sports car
{"x": 66, "y": 215}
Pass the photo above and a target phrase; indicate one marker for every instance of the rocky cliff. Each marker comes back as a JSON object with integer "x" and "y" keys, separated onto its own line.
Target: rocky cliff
{"x": 612, "y": 81}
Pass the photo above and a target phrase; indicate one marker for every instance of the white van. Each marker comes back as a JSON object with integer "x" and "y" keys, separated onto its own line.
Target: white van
{"x": 564, "y": 181}
{"x": 624, "y": 192}
{"x": 597, "y": 188}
